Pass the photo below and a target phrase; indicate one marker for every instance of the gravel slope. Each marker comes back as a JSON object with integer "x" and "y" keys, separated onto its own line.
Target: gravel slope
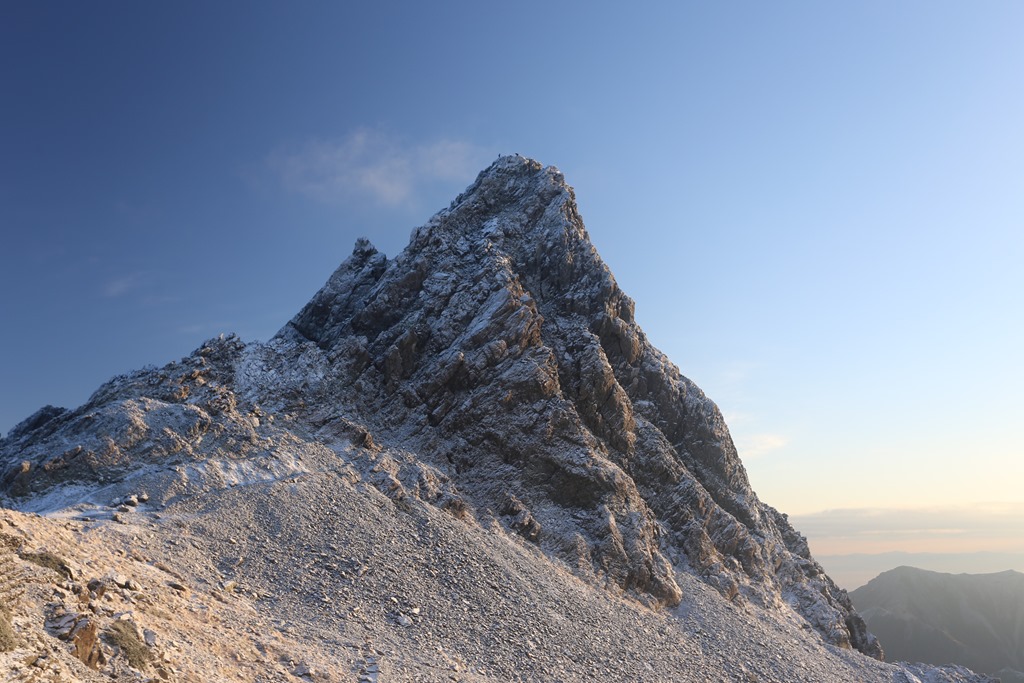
{"x": 321, "y": 577}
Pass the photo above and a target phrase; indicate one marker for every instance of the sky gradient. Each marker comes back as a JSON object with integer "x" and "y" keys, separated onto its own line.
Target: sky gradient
{"x": 818, "y": 208}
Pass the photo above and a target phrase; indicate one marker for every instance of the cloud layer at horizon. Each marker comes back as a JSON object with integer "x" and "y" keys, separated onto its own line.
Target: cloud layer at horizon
{"x": 992, "y": 527}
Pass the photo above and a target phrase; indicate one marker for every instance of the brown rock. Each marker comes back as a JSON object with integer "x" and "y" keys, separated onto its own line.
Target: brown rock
{"x": 84, "y": 638}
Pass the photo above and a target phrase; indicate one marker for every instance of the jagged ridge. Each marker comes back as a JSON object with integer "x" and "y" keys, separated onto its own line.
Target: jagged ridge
{"x": 499, "y": 353}
{"x": 501, "y": 340}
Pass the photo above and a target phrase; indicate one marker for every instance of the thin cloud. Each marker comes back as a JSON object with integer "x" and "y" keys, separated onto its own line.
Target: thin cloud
{"x": 369, "y": 163}
{"x": 121, "y": 285}
{"x": 757, "y": 445}
{"x": 948, "y": 529}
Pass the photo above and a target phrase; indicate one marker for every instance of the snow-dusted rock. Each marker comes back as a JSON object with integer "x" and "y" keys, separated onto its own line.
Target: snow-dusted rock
{"x": 499, "y": 348}
{"x": 493, "y": 369}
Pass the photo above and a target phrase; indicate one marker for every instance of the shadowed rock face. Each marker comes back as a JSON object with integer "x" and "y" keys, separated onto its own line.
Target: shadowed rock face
{"x": 499, "y": 353}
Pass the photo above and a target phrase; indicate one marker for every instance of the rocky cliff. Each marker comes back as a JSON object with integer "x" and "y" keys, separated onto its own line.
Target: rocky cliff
{"x": 492, "y": 370}
{"x": 500, "y": 348}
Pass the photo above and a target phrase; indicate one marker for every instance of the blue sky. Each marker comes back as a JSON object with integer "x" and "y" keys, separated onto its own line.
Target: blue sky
{"x": 818, "y": 207}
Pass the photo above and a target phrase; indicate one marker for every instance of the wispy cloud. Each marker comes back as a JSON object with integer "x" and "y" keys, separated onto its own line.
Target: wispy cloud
{"x": 121, "y": 285}
{"x": 756, "y": 445}
{"x": 370, "y": 163}
{"x": 971, "y": 528}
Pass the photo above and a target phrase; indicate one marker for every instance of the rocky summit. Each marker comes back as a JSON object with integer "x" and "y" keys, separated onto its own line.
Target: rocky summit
{"x": 466, "y": 463}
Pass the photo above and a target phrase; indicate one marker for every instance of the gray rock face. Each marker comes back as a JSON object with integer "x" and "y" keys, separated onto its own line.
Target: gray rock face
{"x": 493, "y": 369}
{"x": 499, "y": 347}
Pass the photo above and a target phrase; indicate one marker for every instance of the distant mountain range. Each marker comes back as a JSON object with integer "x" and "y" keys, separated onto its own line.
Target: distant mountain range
{"x": 975, "y": 620}
{"x": 856, "y": 569}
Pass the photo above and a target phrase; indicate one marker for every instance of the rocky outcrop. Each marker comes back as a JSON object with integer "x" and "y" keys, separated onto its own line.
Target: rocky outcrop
{"x": 499, "y": 347}
{"x": 500, "y": 364}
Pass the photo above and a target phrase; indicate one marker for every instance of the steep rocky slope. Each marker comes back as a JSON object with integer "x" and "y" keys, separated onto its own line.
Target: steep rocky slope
{"x": 491, "y": 384}
{"x": 319, "y": 576}
{"x": 499, "y": 347}
{"x": 972, "y": 619}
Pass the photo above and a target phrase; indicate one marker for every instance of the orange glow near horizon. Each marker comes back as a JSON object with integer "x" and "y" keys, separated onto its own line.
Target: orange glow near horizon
{"x": 985, "y": 527}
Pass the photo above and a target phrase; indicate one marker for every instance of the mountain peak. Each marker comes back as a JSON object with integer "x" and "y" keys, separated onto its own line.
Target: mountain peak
{"x": 492, "y": 371}
{"x": 499, "y": 347}
{"x": 500, "y": 339}
{"x": 508, "y": 201}
{"x": 510, "y": 176}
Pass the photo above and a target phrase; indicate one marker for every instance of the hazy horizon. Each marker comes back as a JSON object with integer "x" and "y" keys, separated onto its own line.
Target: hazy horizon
{"x": 818, "y": 210}
{"x": 857, "y": 569}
